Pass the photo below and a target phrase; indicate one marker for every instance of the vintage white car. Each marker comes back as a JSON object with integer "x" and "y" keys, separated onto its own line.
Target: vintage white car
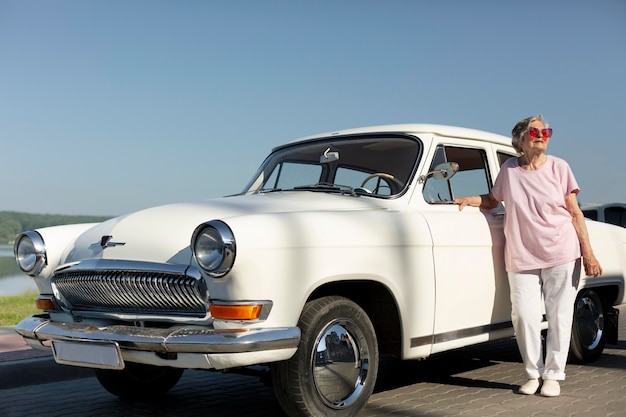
{"x": 343, "y": 247}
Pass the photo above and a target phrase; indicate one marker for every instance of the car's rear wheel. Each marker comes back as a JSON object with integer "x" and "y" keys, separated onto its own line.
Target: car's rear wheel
{"x": 138, "y": 381}
{"x": 334, "y": 371}
{"x": 588, "y": 329}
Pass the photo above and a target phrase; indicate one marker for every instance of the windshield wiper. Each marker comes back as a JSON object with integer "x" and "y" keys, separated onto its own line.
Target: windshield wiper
{"x": 325, "y": 186}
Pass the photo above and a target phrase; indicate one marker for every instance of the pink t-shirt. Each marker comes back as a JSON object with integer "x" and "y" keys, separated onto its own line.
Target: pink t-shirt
{"x": 538, "y": 228}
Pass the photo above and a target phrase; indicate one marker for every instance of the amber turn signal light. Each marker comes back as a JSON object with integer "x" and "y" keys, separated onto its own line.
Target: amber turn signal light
{"x": 45, "y": 304}
{"x": 235, "y": 312}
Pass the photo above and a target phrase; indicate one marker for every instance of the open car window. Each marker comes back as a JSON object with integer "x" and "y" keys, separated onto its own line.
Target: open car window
{"x": 472, "y": 177}
{"x": 503, "y": 157}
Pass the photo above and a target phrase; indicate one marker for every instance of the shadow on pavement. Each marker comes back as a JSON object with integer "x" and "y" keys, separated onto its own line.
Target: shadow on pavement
{"x": 441, "y": 368}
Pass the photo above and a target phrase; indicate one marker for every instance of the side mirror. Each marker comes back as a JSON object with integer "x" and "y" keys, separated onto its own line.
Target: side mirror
{"x": 443, "y": 171}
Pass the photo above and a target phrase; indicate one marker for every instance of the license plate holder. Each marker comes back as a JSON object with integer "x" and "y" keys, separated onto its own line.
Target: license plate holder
{"x": 103, "y": 355}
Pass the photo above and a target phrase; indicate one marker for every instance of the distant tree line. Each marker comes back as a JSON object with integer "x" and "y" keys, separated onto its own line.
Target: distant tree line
{"x": 12, "y": 223}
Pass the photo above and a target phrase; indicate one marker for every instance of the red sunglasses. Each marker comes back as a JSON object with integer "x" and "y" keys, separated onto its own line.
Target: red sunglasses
{"x": 533, "y": 132}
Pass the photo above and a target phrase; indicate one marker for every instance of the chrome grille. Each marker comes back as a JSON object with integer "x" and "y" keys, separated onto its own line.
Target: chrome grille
{"x": 132, "y": 292}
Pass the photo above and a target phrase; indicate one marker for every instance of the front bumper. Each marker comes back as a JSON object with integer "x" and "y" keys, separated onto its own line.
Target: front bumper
{"x": 184, "y": 347}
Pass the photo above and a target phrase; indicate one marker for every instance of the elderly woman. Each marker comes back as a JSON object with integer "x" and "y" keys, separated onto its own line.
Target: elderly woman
{"x": 545, "y": 238}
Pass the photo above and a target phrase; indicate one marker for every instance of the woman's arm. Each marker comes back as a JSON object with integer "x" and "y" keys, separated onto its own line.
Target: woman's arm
{"x": 485, "y": 201}
{"x": 591, "y": 264}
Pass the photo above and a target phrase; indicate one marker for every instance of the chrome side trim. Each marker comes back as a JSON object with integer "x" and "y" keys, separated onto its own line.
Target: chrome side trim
{"x": 459, "y": 334}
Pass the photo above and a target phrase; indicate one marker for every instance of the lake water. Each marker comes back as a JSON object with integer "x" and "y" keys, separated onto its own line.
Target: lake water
{"x": 6, "y": 250}
{"x": 13, "y": 282}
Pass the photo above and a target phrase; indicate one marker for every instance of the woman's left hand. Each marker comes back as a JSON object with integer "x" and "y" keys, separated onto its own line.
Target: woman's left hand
{"x": 592, "y": 266}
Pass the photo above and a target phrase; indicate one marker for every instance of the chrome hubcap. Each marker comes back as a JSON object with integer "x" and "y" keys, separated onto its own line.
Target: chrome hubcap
{"x": 340, "y": 363}
{"x": 590, "y": 320}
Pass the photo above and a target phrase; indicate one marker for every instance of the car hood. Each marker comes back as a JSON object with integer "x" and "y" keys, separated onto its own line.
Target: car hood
{"x": 163, "y": 233}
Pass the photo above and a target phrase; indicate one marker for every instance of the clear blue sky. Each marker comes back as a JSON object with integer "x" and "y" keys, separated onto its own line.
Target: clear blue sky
{"x": 107, "y": 107}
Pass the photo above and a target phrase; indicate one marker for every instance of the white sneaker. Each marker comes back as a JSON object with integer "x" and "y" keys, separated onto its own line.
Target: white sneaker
{"x": 530, "y": 387}
{"x": 550, "y": 388}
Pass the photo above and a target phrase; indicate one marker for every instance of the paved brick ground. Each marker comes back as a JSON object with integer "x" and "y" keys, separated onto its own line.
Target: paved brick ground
{"x": 477, "y": 382}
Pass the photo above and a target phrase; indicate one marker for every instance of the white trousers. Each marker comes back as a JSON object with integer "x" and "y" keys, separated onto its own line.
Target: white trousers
{"x": 557, "y": 286}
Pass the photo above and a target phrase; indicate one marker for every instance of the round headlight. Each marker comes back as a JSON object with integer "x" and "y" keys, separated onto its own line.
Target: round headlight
{"x": 213, "y": 247}
{"x": 30, "y": 253}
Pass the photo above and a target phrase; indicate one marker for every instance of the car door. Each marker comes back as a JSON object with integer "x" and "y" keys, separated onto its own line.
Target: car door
{"x": 472, "y": 293}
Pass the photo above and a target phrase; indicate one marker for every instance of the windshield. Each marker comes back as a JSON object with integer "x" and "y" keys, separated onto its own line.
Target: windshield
{"x": 373, "y": 165}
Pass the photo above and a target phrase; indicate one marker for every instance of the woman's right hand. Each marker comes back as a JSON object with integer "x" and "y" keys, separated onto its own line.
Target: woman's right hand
{"x": 465, "y": 201}
{"x": 486, "y": 201}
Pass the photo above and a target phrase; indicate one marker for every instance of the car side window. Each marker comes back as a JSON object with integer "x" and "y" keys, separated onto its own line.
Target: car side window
{"x": 472, "y": 177}
{"x": 591, "y": 214}
{"x": 503, "y": 157}
{"x": 615, "y": 215}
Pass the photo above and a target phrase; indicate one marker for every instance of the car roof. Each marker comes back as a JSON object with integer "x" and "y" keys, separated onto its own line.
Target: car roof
{"x": 411, "y": 128}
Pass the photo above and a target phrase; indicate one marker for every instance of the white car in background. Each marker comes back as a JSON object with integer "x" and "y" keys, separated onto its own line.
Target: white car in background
{"x": 613, "y": 213}
{"x": 343, "y": 247}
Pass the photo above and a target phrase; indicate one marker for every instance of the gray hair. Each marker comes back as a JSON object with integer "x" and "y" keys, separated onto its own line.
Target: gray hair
{"x": 521, "y": 127}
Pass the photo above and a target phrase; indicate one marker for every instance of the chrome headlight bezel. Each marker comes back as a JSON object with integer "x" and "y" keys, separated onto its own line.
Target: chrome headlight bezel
{"x": 213, "y": 247}
{"x": 30, "y": 253}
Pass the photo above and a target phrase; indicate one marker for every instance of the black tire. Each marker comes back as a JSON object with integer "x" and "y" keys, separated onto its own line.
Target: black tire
{"x": 588, "y": 329}
{"x": 138, "y": 381}
{"x": 334, "y": 371}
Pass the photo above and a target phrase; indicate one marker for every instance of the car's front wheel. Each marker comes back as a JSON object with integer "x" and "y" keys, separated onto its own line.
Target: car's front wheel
{"x": 589, "y": 331}
{"x": 334, "y": 371}
{"x": 138, "y": 381}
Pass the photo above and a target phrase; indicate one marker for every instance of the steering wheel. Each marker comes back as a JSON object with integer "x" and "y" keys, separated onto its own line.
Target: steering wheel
{"x": 380, "y": 175}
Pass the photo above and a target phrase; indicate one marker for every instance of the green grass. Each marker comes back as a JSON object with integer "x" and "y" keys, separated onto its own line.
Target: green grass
{"x": 14, "y": 308}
